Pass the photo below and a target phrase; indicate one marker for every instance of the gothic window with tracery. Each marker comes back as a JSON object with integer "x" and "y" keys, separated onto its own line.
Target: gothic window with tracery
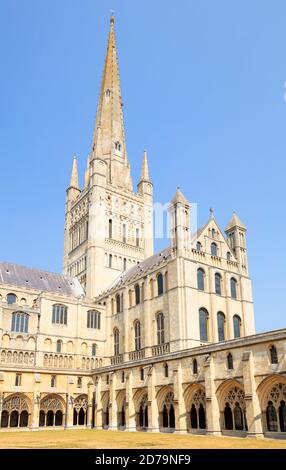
{"x": 235, "y": 410}
{"x": 168, "y": 412}
{"x": 276, "y": 408}
{"x": 198, "y": 410}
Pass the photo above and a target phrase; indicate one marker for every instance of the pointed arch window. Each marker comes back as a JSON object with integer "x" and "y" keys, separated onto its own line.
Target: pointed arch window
{"x": 218, "y": 281}
{"x": 160, "y": 284}
{"x": 236, "y": 326}
{"x": 201, "y": 279}
{"x": 213, "y": 233}
{"x": 233, "y": 288}
{"x": 229, "y": 361}
{"x": 228, "y": 256}
{"x": 214, "y": 249}
{"x": 93, "y": 349}
{"x": 160, "y": 328}
{"x": 118, "y": 303}
{"x": 271, "y": 417}
{"x": 273, "y": 355}
{"x": 116, "y": 341}
{"x": 137, "y": 335}
{"x": 195, "y": 366}
{"x": 110, "y": 228}
{"x": 137, "y": 294}
{"x": 166, "y": 370}
{"x": 59, "y": 346}
{"x": 110, "y": 261}
{"x": 203, "y": 323}
{"x": 117, "y": 145}
{"x": 221, "y": 326}
{"x": 199, "y": 246}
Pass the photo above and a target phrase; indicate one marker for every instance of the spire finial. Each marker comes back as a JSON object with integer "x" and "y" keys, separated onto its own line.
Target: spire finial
{"x": 74, "y": 174}
{"x": 111, "y": 16}
{"x": 211, "y": 212}
{"x": 145, "y": 168}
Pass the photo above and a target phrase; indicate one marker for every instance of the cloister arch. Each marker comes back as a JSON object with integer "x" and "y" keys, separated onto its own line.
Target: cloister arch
{"x": 121, "y": 409}
{"x": 52, "y": 411}
{"x": 80, "y": 407}
{"x": 231, "y": 399}
{"x": 195, "y": 404}
{"x": 105, "y": 410}
{"x": 166, "y": 407}
{"x": 16, "y": 411}
{"x": 272, "y": 397}
{"x": 141, "y": 409}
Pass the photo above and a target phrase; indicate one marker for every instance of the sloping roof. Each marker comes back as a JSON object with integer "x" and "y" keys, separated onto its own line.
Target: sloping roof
{"x": 22, "y": 276}
{"x": 234, "y": 222}
{"x": 141, "y": 268}
{"x": 179, "y": 197}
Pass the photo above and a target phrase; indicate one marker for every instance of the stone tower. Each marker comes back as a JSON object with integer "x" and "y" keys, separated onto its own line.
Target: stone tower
{"x": 108, "y": 226}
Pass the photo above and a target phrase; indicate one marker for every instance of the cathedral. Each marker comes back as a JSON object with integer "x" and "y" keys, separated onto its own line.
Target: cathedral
{"x": 128, "y": 339}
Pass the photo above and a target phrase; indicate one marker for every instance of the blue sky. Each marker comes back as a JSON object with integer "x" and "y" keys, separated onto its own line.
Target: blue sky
{"x": 203, "y": 90}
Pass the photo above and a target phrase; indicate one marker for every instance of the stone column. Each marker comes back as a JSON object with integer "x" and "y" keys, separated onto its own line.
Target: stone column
{"x": 98, "y": 404}
{"x": 130, "y": 412}
{"x": 70, "y": 403}
{"x": 180, "y": 409}
{"x": 90, "y": 390}
{"x": 153, "y": 414}
{"x": 36, "y": 398}
{"x": 113, "y": 422}
{"x": 212, "y": 407}
{"x": 253, "y": 411}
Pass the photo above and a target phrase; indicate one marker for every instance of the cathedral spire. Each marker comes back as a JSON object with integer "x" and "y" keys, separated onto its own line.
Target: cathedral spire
{"x": 74, "y": 175}
{"x": 145, "y": 168}
{"x": 109, "y": 135}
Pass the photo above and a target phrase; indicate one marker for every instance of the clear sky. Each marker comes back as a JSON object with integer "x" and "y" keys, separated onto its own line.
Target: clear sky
{"x": 203, "y": 84}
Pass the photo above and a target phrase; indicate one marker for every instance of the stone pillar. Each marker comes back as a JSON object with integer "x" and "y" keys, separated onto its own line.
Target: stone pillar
{"x": 153, "y": 414}
{"x": 180, "y": 409}
{"x": 70, "y": 403}
{"x": 113, "y": 421}
{"x": 36, "y": 398}
{"x": 90, "y": 390}
{"x": 212, "y": 407}
{"x": 253, "y": 411}
{"x": 130, "y": 411}
{"x": 98, "y": 404}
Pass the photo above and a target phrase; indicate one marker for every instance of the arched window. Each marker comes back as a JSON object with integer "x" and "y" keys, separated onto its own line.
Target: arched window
{"x": 93, "y": 349}
{"x": 124, "y": 264}
{"x": 137, "y": 335}
{"x": 11, "y": 299}
{"x": 218, "y": 283}
{"x": 199, "y": 246}
{"x": 124, "y": 233}
{"x": 166, "y": 370}
{"x": 233, "y": 288}
{"x": 228, "y": 421}
{"x": 160, "y": 328}
{"x": 273, "y": 355}
{"x": 201, "y": 279}
{"x": 229, "y": 361}
{"x": 93, "y": 319}
{"x": 221, "y": 326}
{"x": 110, "y": 228}
{"x": 60, "y": 314}
{"x": 116, "y": 341}
{"x": 118, "y": 303}
{"x": 203, "y": 317}
{"x": 142, "y": 374}
{"x": 110, "y": 261}
{"x": 20, "y": 322}
{"x": 282, "y": 416}
{"x": 213, "y": 232}
{"x": 195, "y": 366}
{"x": 228, "y": 256}
{"x": 137, "y": 294}
{"x": 214, "y": 249}
{"x": 59, "y": 346}
{"x": 160, "y": 284}
{"x": 236, "y": 326}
